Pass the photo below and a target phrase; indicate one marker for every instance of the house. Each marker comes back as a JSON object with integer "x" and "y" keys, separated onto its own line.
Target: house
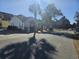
{"x": 15, "y": 21}
{"x": 29, "y": 23}
{"x": 5, "y": 24}
{"x": 4, "y": 20}
{"x": 25, "y": 23}
{"x": 0, "y": 21}
{"x": 32, "y": 25}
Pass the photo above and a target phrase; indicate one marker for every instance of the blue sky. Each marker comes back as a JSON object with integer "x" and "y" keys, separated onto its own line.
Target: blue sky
{"x": 68, "y": 7}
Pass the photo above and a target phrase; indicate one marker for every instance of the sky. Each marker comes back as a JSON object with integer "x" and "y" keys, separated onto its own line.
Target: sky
{"x": 16, "y": 7}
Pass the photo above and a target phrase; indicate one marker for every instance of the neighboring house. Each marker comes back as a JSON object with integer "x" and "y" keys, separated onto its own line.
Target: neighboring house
{"x": 5, "y": 24}
{"x": 32, "y": 26}
{"x": 0, "y": 21}
{"x": 29, "y": 23}
{"x": 8, "y": 16}
{"x": 25, "y": 23}
{"x": 15, "y": 21}
{"x": 4, "y": 19}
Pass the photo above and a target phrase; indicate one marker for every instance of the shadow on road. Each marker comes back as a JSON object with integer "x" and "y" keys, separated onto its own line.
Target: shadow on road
{"x": 31, "y": 49}
{"x": 8, "y": 32}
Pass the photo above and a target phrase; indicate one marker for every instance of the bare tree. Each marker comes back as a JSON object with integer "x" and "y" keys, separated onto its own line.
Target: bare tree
{"x": 50, "y": 12}
{"x": 35, "y": 9}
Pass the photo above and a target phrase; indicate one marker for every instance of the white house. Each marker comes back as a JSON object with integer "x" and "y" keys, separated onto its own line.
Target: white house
{"x": 15, "y": 21}
{"x": 29, "y": 23}
{"x": 24, "y": 23}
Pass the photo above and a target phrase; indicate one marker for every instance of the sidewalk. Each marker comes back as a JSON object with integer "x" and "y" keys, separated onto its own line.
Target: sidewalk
{"x": 76, "y": 44}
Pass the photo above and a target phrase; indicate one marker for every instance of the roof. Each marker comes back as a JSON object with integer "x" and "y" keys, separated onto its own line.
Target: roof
{"x": 24, "y": 18}
{"x": 7, "y": 16}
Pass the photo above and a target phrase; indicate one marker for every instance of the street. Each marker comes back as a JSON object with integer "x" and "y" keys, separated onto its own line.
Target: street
{"x": 64, "y": 46}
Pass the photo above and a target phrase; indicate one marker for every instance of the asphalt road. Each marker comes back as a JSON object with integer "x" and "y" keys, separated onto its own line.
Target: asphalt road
{"x": 64, "y": 46}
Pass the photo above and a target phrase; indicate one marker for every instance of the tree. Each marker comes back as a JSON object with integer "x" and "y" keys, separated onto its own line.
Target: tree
{"x": 63, "y": 23}
{"x": 73, "y": 25}
{"x": 35, "y": 9}
{"x": 77, "y": 18}
{"x": 50, "y": 12}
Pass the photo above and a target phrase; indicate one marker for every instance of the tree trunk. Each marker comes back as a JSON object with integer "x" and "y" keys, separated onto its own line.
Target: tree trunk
{"x": 34, "y": 34}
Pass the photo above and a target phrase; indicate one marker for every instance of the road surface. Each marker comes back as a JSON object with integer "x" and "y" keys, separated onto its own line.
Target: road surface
{"x": 64, "y": 46}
